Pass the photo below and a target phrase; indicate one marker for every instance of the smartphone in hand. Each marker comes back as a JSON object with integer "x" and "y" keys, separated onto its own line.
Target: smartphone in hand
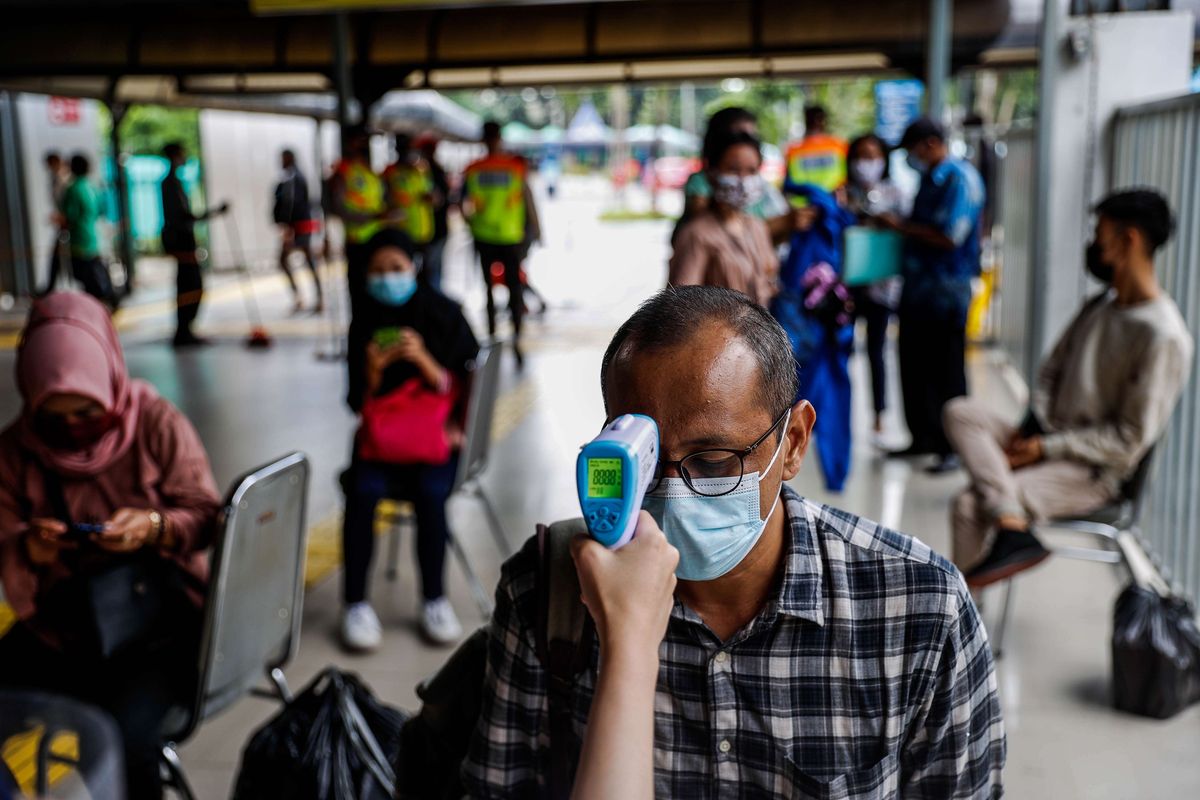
{"x": 82, "y": 532}
{"x": 386, "y": 338}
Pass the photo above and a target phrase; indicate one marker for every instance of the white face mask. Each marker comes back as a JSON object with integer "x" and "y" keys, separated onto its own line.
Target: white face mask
{"x": 867, "y": 171}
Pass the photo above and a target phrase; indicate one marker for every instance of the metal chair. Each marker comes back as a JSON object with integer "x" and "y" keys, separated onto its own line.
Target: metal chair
{"x": 255, "y": 595}
{"x": 472, "y": 461}
{"x": 1104, "y": 525}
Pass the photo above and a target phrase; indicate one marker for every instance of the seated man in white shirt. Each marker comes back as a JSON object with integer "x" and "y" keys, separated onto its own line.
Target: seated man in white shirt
{"x": 1102, "y": 399}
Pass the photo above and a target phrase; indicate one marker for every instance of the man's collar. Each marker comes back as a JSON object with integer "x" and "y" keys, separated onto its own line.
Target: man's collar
{"x": 803, "y": 569}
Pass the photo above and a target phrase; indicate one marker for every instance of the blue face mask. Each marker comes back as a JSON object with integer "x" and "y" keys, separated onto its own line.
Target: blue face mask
{"x": 916, "y": 163}
{"x": 712, "y": 534}
{"x": 392, "y": 288}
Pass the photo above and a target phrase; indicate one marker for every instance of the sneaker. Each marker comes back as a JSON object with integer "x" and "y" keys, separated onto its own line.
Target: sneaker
{"x": 439, "y": 623}
{"x": 1013, "y": 552}
{"x": 188, "y": 339}
{"x": 361, "y": 630}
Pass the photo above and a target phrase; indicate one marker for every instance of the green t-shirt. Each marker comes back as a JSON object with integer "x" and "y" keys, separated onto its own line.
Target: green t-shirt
{"x": 81, "y": 207}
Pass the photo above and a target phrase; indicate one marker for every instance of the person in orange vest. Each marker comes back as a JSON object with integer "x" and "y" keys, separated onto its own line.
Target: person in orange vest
{"x": 819, "y": 159}
{"x": 499, "y": 209}
{"x": 357, "y": 197}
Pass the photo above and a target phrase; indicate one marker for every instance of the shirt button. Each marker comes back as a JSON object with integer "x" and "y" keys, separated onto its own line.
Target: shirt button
{"x": 722, "y": 657}
{"x": 724, "y": 746}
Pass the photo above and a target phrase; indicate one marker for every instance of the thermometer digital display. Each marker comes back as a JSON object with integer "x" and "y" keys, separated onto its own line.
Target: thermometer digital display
{"x": 612, "y": 474}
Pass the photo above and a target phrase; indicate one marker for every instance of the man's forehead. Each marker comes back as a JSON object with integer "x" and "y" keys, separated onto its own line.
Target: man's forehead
{"x": 707, "y": 384}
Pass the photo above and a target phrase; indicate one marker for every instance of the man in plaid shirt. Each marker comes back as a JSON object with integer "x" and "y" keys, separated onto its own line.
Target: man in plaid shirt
{"x": 809, "y": 653}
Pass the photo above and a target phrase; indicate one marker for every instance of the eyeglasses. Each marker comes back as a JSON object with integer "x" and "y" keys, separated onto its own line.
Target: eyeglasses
{"x": 713, "y": 463}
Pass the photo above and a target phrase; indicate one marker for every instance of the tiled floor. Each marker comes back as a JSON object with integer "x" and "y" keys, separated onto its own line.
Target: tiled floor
{"x": 1064, "y": 740}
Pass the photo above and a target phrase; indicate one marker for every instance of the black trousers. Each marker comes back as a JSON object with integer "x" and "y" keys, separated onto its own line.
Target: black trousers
{"x": 510, "y": 257}
{"x": 932, "y": 372}
{"x": 189, "y": 291}
{"x": 427, "y": 487}
{"x": 93, "y": 276}
{"x": 877, "y": 316}
{"x": 137, "y": 689}
{"x": 56, "y": 260}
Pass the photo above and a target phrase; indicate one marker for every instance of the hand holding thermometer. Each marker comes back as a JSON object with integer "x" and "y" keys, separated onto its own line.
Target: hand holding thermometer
{"x": 612, "y": 474}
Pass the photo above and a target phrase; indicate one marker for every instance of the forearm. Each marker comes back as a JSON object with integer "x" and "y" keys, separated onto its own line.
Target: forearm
{"x": 780, "y": 228}
{"x": 617, "y": 760}
{"x": 434, "y": 374}
{"x": 927, "y": 235}
{"x": 186, "y": 530}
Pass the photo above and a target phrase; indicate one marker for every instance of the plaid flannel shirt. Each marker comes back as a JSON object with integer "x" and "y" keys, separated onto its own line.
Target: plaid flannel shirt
{"x": 868, "y": 676}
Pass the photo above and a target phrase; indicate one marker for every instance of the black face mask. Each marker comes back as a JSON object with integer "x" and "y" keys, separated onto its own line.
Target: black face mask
{"x": 73, "y": 436}
{"x": 1099, "y": 269}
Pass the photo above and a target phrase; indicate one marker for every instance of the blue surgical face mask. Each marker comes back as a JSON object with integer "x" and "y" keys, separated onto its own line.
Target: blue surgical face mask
{"x": 712, "y": 534}
{"x": 916, "y": 163}
{"x": 392, "y": 288}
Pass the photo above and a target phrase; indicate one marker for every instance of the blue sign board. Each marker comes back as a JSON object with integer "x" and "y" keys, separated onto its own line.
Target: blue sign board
{"x": 897, "y": 104}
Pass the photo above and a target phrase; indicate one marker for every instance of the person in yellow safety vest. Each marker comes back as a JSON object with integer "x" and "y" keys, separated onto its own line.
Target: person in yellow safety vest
{"x": 818, "y": 159}
{"x": 410, "y": 189}
{"x": 499, "y": 209}
{"x": 358, "y": 199}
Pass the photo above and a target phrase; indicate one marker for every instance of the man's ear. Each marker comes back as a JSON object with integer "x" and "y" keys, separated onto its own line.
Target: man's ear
{"x": 796, "y": 438}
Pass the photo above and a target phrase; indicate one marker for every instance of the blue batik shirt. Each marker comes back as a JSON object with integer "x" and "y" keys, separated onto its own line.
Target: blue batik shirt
{"x": 937, "y": 283}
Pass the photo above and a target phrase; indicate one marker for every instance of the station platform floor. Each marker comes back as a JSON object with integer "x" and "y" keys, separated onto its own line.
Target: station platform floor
{"x": 1064, "y": 739}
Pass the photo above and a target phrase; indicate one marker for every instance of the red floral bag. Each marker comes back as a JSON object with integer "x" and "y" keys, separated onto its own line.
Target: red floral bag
{"x": 407, "y": 425}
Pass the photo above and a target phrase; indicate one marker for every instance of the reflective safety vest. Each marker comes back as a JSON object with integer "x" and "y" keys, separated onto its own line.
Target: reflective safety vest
{"x": 495, "y": 188}
{"x": 819, "y": 159}
{"x": 409, "y": 187}
{"x": 364, "y": 194}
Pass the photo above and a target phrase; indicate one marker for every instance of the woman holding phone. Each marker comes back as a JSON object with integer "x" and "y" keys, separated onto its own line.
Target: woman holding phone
{"x": 411, "y": 351}
{"x": 102, "y": 482}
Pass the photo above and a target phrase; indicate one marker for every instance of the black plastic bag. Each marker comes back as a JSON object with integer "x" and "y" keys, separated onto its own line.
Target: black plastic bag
{"x": 335, "y": 741}
{"x": 1156, "y": 654}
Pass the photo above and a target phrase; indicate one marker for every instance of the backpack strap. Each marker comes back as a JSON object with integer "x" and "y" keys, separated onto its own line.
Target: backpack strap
{"x": 564, "y": 634}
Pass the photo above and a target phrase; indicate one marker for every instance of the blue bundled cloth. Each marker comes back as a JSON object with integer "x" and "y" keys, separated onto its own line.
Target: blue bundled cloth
{"x": 822, "y": 336}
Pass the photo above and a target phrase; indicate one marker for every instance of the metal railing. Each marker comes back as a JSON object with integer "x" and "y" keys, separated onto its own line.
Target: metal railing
{"x": 1158, "y": 145}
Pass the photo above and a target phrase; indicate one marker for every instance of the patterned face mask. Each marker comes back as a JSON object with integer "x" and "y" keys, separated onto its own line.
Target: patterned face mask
{"x": 738, "y": 191}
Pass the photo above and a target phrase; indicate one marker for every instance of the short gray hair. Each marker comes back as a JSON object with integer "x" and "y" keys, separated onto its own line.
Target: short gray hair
{"x": 672, "y": 316}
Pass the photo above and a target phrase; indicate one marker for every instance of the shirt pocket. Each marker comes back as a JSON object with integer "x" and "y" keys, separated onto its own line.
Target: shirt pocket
{"x": 880, "y": 781}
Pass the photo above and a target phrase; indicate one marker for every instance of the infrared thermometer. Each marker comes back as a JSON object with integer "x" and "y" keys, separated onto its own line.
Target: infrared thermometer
{"x": 612, "y": 473}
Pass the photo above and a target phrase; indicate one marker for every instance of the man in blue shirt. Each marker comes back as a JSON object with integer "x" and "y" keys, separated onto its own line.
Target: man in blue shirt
{"x": 941, "y": 257}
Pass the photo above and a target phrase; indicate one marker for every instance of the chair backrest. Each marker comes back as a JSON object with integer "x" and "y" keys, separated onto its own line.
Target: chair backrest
{"x": 481, "y": 408}
{"x": 252, "y": 616}
{"x": 47, "y": 738}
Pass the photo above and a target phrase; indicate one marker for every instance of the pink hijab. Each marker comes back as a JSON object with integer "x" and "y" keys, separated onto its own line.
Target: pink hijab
{"x": 69, "y": 346}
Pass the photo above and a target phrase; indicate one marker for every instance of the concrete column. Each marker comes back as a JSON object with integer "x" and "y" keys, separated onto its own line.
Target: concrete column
{"x": 937, "y": 63}
{"x": 124, "y": 228}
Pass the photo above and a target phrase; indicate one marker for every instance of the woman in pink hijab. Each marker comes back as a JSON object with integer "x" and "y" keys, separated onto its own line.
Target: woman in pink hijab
{"x": 98, "y": 468}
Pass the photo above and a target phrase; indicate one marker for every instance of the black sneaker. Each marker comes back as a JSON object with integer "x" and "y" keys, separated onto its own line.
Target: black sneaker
{"x": 1013, "y": 552}
{"x": 186, "y": 340}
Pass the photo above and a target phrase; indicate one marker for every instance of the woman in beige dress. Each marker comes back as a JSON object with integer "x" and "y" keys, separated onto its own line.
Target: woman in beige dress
{"x": 723, "y": 245}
